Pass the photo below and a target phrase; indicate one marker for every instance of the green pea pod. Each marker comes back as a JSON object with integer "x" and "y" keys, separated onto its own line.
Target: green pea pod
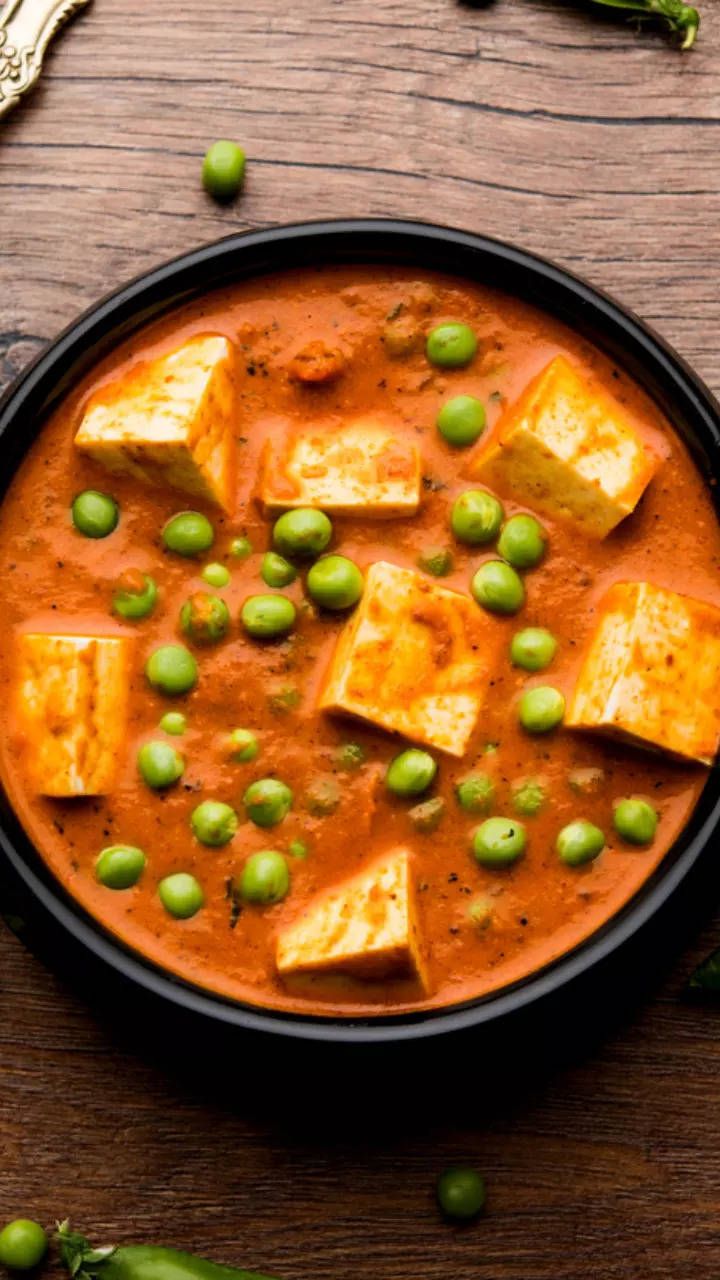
{"x": 682, "y": 19}
{"x": 138, "y": 1262}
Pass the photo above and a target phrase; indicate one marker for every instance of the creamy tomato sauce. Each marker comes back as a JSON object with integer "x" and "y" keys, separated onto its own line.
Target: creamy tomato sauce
{"x": 52, "y": 579}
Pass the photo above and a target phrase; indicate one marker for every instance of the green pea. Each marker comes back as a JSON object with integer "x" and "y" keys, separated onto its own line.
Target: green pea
{"x": 267, "y": 802}
{"x": 499, "y": 842}
{"x": 266, "y": 617}
{"x": 529, "y": 796}
{"x": 181, "y": 895}
{"x": 475, "y": 793}
{"x": 303, "y": 532}
{"x": 522, "y": 542}
{"x": 541, "y": 709}
{"x": 243, "y": 745}
{"x": 298, "y": 849}
{"x": 223, "y": 170}
{"x": 498, "y": 588}
{"x": 322, "y": 797}
{"x": 173, "y": 722}
{"x": 335, "y": 583}
{"x": 427, "y": 815}
{"x": 461, "y": 1193}
{"x": 94, "y": 514}
{"x": 213, "y": 823}
{"x": 635, "y": 820}
{"x": 171, "y": 669}
{"x": 120, "y": 866}
{"x": 188, "y": 534}
{"x": 451, "y": 345}
{"x": 160, "y": 764}
{"x": 204, "y": 619}
{"x": 410, "y": 773}
{"x": 437, "y": 560}
{"x": 533, "y": 649}
{"x": 276, "y": 571}
{"x": 241, "y": 548}
{"x": 350, "y": 755}
{"x": 579, "y": 842}
{"x": 461, "y": 420}
{"x": 265, "y": 878}
{"x": 481, "y": 912}
{"x": 216, "y": 575}
{"x": 136, "y": 595}
{"x": 476, "y": 517}
{"x": 23, "y": 1245}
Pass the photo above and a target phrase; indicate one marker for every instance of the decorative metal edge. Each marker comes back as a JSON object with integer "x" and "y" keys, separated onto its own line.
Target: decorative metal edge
{"x": 26, "y": 29}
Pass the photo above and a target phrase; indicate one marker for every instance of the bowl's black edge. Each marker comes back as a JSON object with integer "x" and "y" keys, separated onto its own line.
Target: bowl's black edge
{"x": 637, "y": 350}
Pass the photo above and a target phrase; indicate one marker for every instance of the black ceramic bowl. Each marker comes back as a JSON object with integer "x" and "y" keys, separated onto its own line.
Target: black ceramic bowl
{"x": 64, "y": 925}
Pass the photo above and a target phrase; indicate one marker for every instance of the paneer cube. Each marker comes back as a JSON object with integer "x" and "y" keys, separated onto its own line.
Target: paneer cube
{"x": 72, "y": 710}
{"x": 415, "y": 658}
{"x": 171, "y": 421}
{"x": 652, "y": 672}
{"x": 365, "y": 466}
{"x": 365, "y": 927}
{"x": 568, "y": 449}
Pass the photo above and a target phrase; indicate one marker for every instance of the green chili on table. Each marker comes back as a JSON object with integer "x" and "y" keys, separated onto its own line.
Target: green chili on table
{"x": 139, "y": 1262}
{"x": 681, "y": 18}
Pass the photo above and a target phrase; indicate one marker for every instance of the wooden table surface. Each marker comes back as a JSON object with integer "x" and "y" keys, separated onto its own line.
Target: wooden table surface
{"x": 577, "y": 138}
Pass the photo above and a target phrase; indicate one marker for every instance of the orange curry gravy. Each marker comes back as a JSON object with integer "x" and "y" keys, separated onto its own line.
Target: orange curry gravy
{"x": 53, "y": 579}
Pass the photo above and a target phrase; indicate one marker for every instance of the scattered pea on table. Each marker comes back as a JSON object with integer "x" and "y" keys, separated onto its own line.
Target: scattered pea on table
{"x": 223, "y": 170}
{"x": 461, "y": 1193}
{"x": 23, "y": 1245}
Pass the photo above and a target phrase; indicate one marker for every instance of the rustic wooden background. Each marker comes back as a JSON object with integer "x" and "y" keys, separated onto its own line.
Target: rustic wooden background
{"x": 579, "y": 138}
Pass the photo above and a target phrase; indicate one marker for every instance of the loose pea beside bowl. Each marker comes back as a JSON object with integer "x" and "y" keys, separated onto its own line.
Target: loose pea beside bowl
{"x": 223, "y": 170}
{"x": 23, "y": 1245}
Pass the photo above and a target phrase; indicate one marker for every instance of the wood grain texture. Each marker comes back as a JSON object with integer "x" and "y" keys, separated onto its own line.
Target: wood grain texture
{"x": 578, "y": 138}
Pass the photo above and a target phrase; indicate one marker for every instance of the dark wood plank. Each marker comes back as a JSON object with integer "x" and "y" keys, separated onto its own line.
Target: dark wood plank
{"x": 578, "y": 138}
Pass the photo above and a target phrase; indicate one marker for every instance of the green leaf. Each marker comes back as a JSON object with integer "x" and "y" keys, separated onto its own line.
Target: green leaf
{"x": 707, "y": 975}
{"x": 682, "y": 19}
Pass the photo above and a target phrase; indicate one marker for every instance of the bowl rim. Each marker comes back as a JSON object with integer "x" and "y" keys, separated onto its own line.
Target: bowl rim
{"x": 241, "y": 255}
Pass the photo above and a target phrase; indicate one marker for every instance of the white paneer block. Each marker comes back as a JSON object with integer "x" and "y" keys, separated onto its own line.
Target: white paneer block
{"x": 568, "y": 449}
{"x": 171, "y": 421}
{"x": 365, "y": 467}
{"x": 72, "y": 710}
{"x": 365, "y": 927}
{"x": 415, "y": 658}
{"x": 652, "y": 672}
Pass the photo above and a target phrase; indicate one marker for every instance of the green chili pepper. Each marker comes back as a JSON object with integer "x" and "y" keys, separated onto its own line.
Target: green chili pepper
{"x": 681, "y": 18}
{"x": 138, "y": 1262}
